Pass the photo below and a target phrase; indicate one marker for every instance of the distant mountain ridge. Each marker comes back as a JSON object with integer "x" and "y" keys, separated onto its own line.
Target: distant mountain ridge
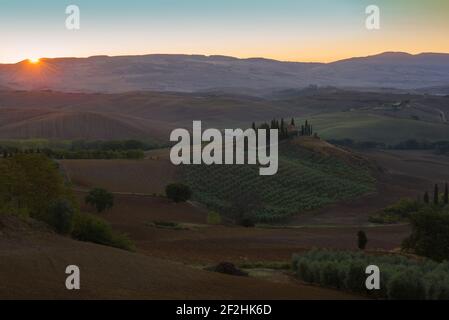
{"x": 191, "y": 73}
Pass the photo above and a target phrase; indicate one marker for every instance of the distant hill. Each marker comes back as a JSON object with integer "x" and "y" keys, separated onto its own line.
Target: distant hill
{"x": 190, "y": 73}
{"x": 336, "y": 113}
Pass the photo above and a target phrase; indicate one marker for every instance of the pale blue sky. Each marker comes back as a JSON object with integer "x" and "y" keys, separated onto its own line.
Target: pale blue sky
{"x": 300, "y": 30}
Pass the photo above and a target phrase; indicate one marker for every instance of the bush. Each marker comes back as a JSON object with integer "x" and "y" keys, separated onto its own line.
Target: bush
{"x": 400, "y": 211}
{"x": 400, "y": 277}
{"x": 356, "y": 277}
{"x": 60, "y": 217}
{"x": 92, "y": 229}
{"x": 213, "y": 218}
{"x": 178, "y": 192}
{"x": 247, "y": 220}
{"x": 430, "y": 234}
{"x": 304, "y": 271}
{"x": 406, "y": 286}
{"x": 404, "y": 208}
{"x": 228, "y": 268}
{"x": 100, "y": 198}
{"x": 329, "y": 275}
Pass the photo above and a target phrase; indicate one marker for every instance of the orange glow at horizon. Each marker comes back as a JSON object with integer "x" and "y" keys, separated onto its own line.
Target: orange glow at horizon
{"x": 34, "y": 60}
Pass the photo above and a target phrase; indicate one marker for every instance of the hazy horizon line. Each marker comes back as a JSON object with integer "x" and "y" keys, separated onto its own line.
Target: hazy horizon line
{"x": 227, "y": 56}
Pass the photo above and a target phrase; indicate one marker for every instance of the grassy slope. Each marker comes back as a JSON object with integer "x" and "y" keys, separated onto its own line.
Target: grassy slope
{"x": 361, "y": 126}
{"x": 305, "y": 180}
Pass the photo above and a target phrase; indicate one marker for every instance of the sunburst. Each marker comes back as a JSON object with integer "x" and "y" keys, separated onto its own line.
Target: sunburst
{"x": 34, "y": 60}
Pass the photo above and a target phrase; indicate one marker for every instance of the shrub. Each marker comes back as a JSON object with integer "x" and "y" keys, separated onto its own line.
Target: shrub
{"x": 247, "y": 220}
{"x": 100, "y": 198}
{"x": 168, "y": 225}
{"x": 397, "y": 212}
{"x": 329, "y": 275}
{"x": 60, "y": 216}
{"x": 400, "y": 277}
{"x": 304, "y": 271}
{"x": 228, "y": 268}
{"x": 213, "y": 218}
{"x": 178, "y": 192}
{"x": 430, "y": 234}
{"x": 356, "y": 277}
{"x": 406, "y": 286}
{"x": 404, "y": 208}
{"x": 92, "y": 229}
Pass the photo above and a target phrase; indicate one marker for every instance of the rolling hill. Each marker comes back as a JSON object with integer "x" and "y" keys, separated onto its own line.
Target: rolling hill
{"x": 54, "y": 125}
{"x": 152, "y": 115}
{"x": 360, "y": 126}
{"x": 192, "y": 73}
{"x": 312, "y": 174}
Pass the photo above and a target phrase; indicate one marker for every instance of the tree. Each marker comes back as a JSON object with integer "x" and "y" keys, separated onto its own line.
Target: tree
{"x": 61, "y": 215}
{"x": 426, "y": 197}
{"x": 430, "y": 234}
{"x": 178, "y": 192}
{"x": 362, "y": 240}
{"x": 243, "y": 207}
{"x": 33, "y": 183}
{"x": 446, "y": 194}
{"x": 100, "y": 198}
{"x": 292, "y": 122}
{"x": 436, "y": 195}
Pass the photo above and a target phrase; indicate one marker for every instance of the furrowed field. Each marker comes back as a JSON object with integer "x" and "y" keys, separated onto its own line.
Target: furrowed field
{"x": 306, "y": 180}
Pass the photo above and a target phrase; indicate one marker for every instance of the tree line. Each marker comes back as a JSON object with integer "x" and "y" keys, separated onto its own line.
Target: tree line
{"x": 76, "y": 154}
{"x": 286, "y": 130}
{"x": 439, "y": 147}
{"x": 438, "y": 198}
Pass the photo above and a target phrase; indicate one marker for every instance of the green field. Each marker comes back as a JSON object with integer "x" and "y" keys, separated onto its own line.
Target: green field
{"x": 305, "y": 180}
{"x": 361, "y": 126}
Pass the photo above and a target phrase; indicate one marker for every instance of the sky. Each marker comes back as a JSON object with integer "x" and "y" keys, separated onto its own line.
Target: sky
{"x": 289, "y": 30}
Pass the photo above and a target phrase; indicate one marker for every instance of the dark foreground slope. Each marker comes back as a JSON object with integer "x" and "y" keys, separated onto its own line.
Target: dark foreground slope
{"x": 33, "y": 261}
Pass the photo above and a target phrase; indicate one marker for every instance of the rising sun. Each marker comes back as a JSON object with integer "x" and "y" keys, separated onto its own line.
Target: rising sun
{"x": 34, "y": 60}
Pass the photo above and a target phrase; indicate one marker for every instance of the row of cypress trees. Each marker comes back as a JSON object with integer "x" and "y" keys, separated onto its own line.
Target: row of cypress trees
{"x": 436, "y": 195}
{"x": 305, "y": 130}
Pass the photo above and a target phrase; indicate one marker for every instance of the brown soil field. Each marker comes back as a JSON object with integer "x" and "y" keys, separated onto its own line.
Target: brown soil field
{"x": 148, "y": 176}
{"x": 139, "y": 209}
{"x": 33, "y": 263}
{"x": 195, "y": 242}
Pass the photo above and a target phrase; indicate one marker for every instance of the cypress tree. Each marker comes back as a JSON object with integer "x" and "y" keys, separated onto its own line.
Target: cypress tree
{"x": 293, "y": 122}
{"x": 436, "y": 195}
{"x": 426, "y": 197}
{"x": 282, "y": 129}
{"x": 446, "y": 195}
{"x": 362, "y": 240}
{"x": 254, "y": 126}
